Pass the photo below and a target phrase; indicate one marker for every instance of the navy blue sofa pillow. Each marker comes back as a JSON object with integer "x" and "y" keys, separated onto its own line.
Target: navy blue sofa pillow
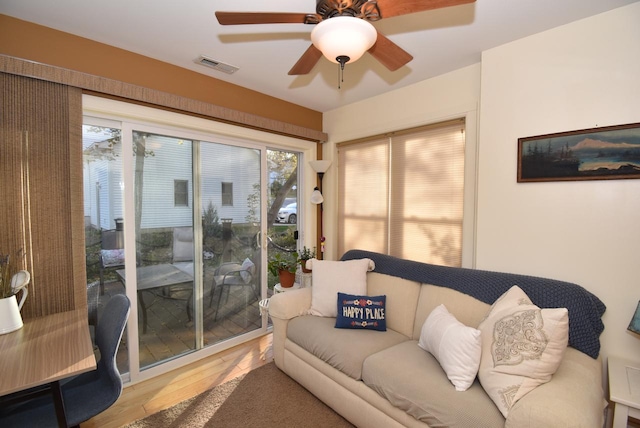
{"x": 361, "y": 312}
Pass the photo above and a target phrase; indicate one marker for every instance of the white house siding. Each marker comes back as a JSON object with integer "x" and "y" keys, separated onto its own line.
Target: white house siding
{"x": 108, "y": 173}
{"x": 237, "y": 165}
{"x": 172, "y": 160}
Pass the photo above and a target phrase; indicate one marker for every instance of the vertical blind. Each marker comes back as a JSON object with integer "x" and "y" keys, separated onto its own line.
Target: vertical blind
{"x": 41, "y": 193}
{"x": 402, "y": 194}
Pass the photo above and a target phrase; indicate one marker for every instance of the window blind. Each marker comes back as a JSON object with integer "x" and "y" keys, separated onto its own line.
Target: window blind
{"x": 402, "y": 194}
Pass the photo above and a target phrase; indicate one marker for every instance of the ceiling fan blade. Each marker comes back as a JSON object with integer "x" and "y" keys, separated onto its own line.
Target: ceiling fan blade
{"x": 237, "y": 18}
{"x": 389, "y": 54}
{"x": 390, "y": 8}
{"x": 306, "y": 62}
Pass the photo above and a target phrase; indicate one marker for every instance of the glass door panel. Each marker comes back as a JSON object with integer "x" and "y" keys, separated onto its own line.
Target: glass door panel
{"x": 164, "y": 236}
{"x": 230, "y": 195}
{"x": 103, "y": 212}
{"x": 283, "y": 214}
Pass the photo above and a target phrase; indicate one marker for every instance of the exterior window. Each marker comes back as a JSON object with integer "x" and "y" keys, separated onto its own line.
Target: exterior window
{"x": 402, "y": 194}
{"x": 181, "y": 193}
{"x": 227, "y": 194}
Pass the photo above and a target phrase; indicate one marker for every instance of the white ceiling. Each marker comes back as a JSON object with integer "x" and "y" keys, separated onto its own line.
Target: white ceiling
{"x": 178, "y": 32}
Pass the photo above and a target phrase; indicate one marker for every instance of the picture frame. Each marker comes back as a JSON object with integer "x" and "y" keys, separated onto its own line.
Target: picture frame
{"x": 605, "y": 153}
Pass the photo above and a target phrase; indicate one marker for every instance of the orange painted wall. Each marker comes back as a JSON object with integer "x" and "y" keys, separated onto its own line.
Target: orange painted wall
{"x": 34, "y": 42}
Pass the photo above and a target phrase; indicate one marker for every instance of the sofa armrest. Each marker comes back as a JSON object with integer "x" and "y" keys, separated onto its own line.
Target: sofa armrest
{"x": 573, "y": 398}
{"x": 290, "y": 304}
{"x": 282, "y": 308}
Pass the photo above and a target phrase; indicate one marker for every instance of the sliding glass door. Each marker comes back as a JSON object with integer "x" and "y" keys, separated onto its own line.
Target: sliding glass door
{"x": 174, "y": 220}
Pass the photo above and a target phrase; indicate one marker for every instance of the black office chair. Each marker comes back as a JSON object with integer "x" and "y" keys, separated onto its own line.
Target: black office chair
{"x": 88, "y": 394}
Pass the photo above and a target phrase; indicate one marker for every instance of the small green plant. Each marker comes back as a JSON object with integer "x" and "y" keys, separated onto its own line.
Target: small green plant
{"x": 282, "y": 261}
{"x": 305, "y": 254}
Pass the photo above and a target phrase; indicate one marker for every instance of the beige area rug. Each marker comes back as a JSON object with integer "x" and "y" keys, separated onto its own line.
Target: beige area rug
{"x": 264, "y": 397}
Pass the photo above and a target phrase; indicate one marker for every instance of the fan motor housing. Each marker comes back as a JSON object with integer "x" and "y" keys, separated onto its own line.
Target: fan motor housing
{"x": 367, "y": 9}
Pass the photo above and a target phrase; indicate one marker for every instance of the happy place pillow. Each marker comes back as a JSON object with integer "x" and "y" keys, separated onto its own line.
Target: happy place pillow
{"x": 330, "y": 277}
{"x": 361, "y": 312}
{"x": 456, "y": 346}
{"x": 522, "y": 347}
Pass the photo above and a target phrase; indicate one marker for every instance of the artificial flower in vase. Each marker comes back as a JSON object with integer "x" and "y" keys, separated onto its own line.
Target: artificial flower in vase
{"x": 10, "y": 286}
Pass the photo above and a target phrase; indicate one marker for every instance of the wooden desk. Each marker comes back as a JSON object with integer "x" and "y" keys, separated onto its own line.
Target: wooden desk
{"x": 45, "y": 351}
{"x": 156, "y": 276}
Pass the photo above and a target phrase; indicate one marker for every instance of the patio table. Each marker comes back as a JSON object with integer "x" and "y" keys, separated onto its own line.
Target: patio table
{"x": 149, "y": 278}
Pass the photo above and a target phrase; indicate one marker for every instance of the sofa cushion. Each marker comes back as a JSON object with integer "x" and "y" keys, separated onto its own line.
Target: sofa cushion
{"x": 402, "y": 299}
{"x": 456, "y": 346}
{"x": 419, "y": 386}
{"x": 361, "y": 312}
{"x": 330, "y": 276}
{"x": 522, "y": 347}
{"x": 467, "y": 309}
{"x": 343, "y": 349}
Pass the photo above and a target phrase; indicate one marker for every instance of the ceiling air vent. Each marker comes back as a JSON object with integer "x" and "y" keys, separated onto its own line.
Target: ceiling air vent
{"x": 217, "y": 65}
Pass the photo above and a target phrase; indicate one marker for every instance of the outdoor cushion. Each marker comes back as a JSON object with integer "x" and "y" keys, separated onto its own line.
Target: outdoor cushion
{"x": 112, "y": 258}
{"x": 344, "y": 349}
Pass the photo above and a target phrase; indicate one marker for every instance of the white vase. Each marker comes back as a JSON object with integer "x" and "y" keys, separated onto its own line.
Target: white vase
{"x": 10, "y": 318}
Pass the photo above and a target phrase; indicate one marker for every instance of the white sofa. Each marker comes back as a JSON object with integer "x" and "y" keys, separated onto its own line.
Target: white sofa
{"x": 345, "y": 368}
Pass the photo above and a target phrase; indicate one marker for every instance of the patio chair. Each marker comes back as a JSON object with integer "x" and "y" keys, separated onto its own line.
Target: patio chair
{"x": 183, "y": 257}
{"x": 111, "y": 253}
{"x": 233, "y": 274}
{"x": 88, "y": 394}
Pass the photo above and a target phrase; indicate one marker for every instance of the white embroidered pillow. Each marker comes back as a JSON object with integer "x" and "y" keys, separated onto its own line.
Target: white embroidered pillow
{"x": 456, "y": 346}
{"x": 330, "y": 277}
{"x": 522, "y": 347}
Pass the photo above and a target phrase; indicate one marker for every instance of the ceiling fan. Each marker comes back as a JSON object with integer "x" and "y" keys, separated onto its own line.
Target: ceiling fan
{"x": 343, "y": 31}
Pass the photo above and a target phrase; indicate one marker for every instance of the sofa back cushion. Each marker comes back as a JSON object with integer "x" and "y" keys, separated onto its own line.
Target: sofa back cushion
{"x": 402, "y": 300}
{"x": 468, "y": 310}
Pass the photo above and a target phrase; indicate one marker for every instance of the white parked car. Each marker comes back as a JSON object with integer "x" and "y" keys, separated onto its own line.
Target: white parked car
{"x": 288, "y": 214}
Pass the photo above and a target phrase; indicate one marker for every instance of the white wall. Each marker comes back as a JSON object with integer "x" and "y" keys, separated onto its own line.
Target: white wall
{"x": 582, "y": 75}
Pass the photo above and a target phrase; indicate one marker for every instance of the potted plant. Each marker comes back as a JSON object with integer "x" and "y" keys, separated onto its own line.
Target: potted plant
{"x": 283, "y": 265}
{"x": 304, "y": 255}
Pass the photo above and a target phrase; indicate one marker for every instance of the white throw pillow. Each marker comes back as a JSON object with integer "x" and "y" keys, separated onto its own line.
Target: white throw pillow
{"x": 330, "y": 277}
{"x": 456, "y": 346}
{"x": 522, "y": 347}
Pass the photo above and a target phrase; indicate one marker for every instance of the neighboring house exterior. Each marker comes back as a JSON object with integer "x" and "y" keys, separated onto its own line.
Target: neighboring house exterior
{"x": 228, "y": 175}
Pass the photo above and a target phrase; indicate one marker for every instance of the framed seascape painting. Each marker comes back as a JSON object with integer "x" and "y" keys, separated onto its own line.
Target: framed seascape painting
{"x": 606, "y": 153}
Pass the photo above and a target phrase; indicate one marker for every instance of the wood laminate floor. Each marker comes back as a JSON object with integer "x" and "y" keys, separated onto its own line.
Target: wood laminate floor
{"x": 161, "y": 392}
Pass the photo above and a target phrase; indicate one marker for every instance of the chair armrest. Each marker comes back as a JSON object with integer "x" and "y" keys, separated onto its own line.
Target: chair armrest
{"x": 290, "y": 304}
{"x": 574, "y": 397}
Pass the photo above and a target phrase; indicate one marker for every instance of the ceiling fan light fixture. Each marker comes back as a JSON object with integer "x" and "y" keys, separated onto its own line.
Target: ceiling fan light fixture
{"x": 342, "y": 36}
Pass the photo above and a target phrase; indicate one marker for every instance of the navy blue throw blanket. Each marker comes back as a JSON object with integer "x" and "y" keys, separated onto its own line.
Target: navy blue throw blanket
{"x": 585, "y": 309}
